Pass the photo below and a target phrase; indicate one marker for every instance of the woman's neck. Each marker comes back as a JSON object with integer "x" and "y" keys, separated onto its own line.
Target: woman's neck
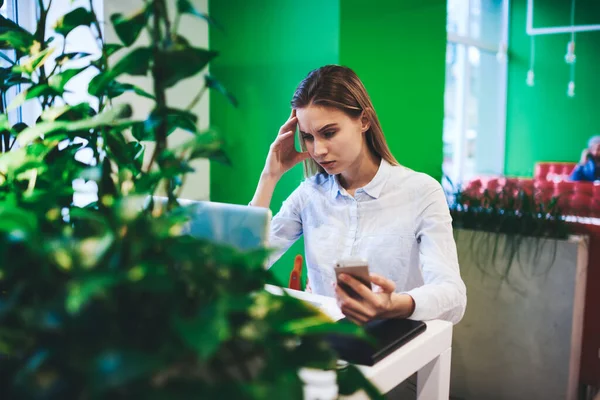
{"x": 360, "y": 173}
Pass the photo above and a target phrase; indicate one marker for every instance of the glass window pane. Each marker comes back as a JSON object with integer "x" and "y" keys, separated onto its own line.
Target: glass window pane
{"x": 485, "y": 20}
{"x": 458, "y": 17}
{"x": 483, "y": 133}
{"x": 473, "y": 112}
{"x": 453, "y": 100}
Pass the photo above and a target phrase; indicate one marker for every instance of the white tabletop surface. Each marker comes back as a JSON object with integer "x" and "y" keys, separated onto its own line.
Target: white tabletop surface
{"x": 402, "y": 363}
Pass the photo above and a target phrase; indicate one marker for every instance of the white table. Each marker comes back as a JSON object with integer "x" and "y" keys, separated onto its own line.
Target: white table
{"x": 428, "y": 354}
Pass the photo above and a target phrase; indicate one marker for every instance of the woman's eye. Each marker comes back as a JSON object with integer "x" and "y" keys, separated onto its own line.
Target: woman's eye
{"x": 329, "y": 134}
{"x": 307, "y": 137}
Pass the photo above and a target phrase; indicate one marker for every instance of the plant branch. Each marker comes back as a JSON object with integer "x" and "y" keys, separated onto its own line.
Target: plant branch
{"x": 160, "y": 133}
{"x": 64, "y": 48}
{"x": 196, "y": 99}
{"x": 41, "y": 35}
{"x": 103, "y": 57}
{"x": 165, "y": 14}
{"x": 176, "y": 24}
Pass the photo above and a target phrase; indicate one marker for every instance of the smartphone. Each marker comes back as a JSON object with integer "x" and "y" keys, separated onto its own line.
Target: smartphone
{"x": 358, "y": 268}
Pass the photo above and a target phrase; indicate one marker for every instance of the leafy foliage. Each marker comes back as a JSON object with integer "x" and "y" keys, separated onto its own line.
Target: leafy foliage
{"x": 110, "y": 299}
{"x": 509, "y": 209}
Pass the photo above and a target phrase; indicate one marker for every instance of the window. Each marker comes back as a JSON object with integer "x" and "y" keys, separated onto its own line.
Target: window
{"x": 475, "y": 93}
{"x": 23, "y": 13}
{"x": 8, "y": 10}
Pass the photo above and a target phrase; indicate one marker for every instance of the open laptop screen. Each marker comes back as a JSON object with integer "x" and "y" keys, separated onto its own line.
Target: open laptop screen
{"x": 242, "y": 227}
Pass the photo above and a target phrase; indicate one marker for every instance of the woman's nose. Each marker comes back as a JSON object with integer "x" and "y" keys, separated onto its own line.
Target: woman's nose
{"x": 320, "y": 148}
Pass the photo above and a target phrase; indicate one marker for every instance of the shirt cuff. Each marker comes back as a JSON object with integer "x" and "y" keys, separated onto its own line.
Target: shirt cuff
{"x": 421, "y": 309}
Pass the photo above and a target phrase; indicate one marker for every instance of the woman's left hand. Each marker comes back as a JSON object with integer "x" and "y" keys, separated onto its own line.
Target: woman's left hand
{"x": 378, "y": 304}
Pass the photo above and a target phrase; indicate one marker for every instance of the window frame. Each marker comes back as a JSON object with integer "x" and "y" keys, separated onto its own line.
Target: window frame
{"x": 459, "y": 143}
{"x": 25, "y": 14}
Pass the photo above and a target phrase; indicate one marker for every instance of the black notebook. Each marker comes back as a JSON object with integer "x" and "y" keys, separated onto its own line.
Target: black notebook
{"x": 389, "y": 335}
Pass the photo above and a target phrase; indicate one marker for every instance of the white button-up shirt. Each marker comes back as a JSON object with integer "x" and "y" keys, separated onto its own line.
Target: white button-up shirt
{"x": 400, "y": 223}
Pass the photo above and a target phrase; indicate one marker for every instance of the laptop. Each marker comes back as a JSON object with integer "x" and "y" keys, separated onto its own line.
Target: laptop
{"x": 243, "y": 227}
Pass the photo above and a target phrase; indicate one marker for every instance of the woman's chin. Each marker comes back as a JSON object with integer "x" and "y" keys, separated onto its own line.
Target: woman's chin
{"x": 330, "y": 168}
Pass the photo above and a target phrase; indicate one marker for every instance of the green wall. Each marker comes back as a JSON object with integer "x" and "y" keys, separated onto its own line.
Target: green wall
{"x": 398, "y": 49}
{"x": 267, "y": 48}
{"x": 543, "y": 123}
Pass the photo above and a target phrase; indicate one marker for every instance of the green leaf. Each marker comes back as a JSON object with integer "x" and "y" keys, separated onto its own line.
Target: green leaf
{"x": 32, "y": 366}
{"x": 81, "y": 292}
{"x": 91, "y": 250}
{"x": 115, "y": 89}
{"x": 78, "y": 17}
{"x": 350, "y": 379}
{"x": 214, "y": 84}
{"x": 109, "y": 117}
{"x": 175, "y": 119}
{"x": 34, "y": 62}
{"x": 111, "y": 48}
{"x": 31, "y": 93}
{"x": 62, "y": 59}
{"x": 67, "y": 112}
{"x": 128, "y": 155}
{"x": 128, "y": 28}
{"x": 20, "y": 127}
{"x": 15, "y": 159}
{"x": 137, "y": 62}
{"x": 185, "y": 7}
{"x": 8, "y": 78}
{"x": 205, "y": 145}
{"x": 7, "y": 24}
{"x": 320, "y": 324}
{"x": 59, "y": 81}
{"x": 19, "y": 224}
{"x": 16, "y": 38}
{"x": 136, "y": 153}
{"x": 4, "y": 125}
{"x": 181, "y": 119}
{"x": 181, "y": 63}
{"x": 29, "y": 170}
{"x": 206, "y": 332}
{"x": 115, "y": 369}
{"x": 172, "y": 166}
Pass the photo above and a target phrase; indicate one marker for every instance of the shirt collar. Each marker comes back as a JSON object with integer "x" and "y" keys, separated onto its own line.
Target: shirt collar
{"x": 373, "y": 188}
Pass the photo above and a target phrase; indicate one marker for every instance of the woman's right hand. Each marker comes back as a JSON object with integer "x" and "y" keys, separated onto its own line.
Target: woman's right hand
{"x": 283, "y": 154}
{"x": 584, "y": 156}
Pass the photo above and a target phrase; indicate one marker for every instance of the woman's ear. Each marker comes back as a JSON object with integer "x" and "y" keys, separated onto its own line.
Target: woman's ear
{"x": 364, "y": 120}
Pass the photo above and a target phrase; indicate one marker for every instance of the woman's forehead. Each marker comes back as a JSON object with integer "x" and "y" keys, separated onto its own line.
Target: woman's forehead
{"x": 315, "y": 117}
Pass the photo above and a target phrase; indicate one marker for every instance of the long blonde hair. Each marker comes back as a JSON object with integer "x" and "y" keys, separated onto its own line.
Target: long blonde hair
{"x": 339, "y": 87}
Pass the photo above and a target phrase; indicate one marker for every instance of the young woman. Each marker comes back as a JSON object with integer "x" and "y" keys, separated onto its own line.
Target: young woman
{"x": 357, "y": 201}
{"x": 588, "y": 168}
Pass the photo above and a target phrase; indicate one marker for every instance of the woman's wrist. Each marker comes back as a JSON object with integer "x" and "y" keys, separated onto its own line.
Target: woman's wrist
{"x": 264, "y": 190}
{"x": 402, "y": 305}
{"x": 269, "y": 177}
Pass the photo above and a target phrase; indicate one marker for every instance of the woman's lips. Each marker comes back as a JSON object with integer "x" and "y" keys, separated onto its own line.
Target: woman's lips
{"x": 327, "y": 163}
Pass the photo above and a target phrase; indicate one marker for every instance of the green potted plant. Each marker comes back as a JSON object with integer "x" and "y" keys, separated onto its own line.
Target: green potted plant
{"x": 510, "y": 210}
{"x": 110, "y": 300}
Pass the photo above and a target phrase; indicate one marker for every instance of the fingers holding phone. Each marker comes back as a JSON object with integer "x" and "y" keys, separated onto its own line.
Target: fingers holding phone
{"x": 356, "y": 268}
{"x": 359, "y": 302}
